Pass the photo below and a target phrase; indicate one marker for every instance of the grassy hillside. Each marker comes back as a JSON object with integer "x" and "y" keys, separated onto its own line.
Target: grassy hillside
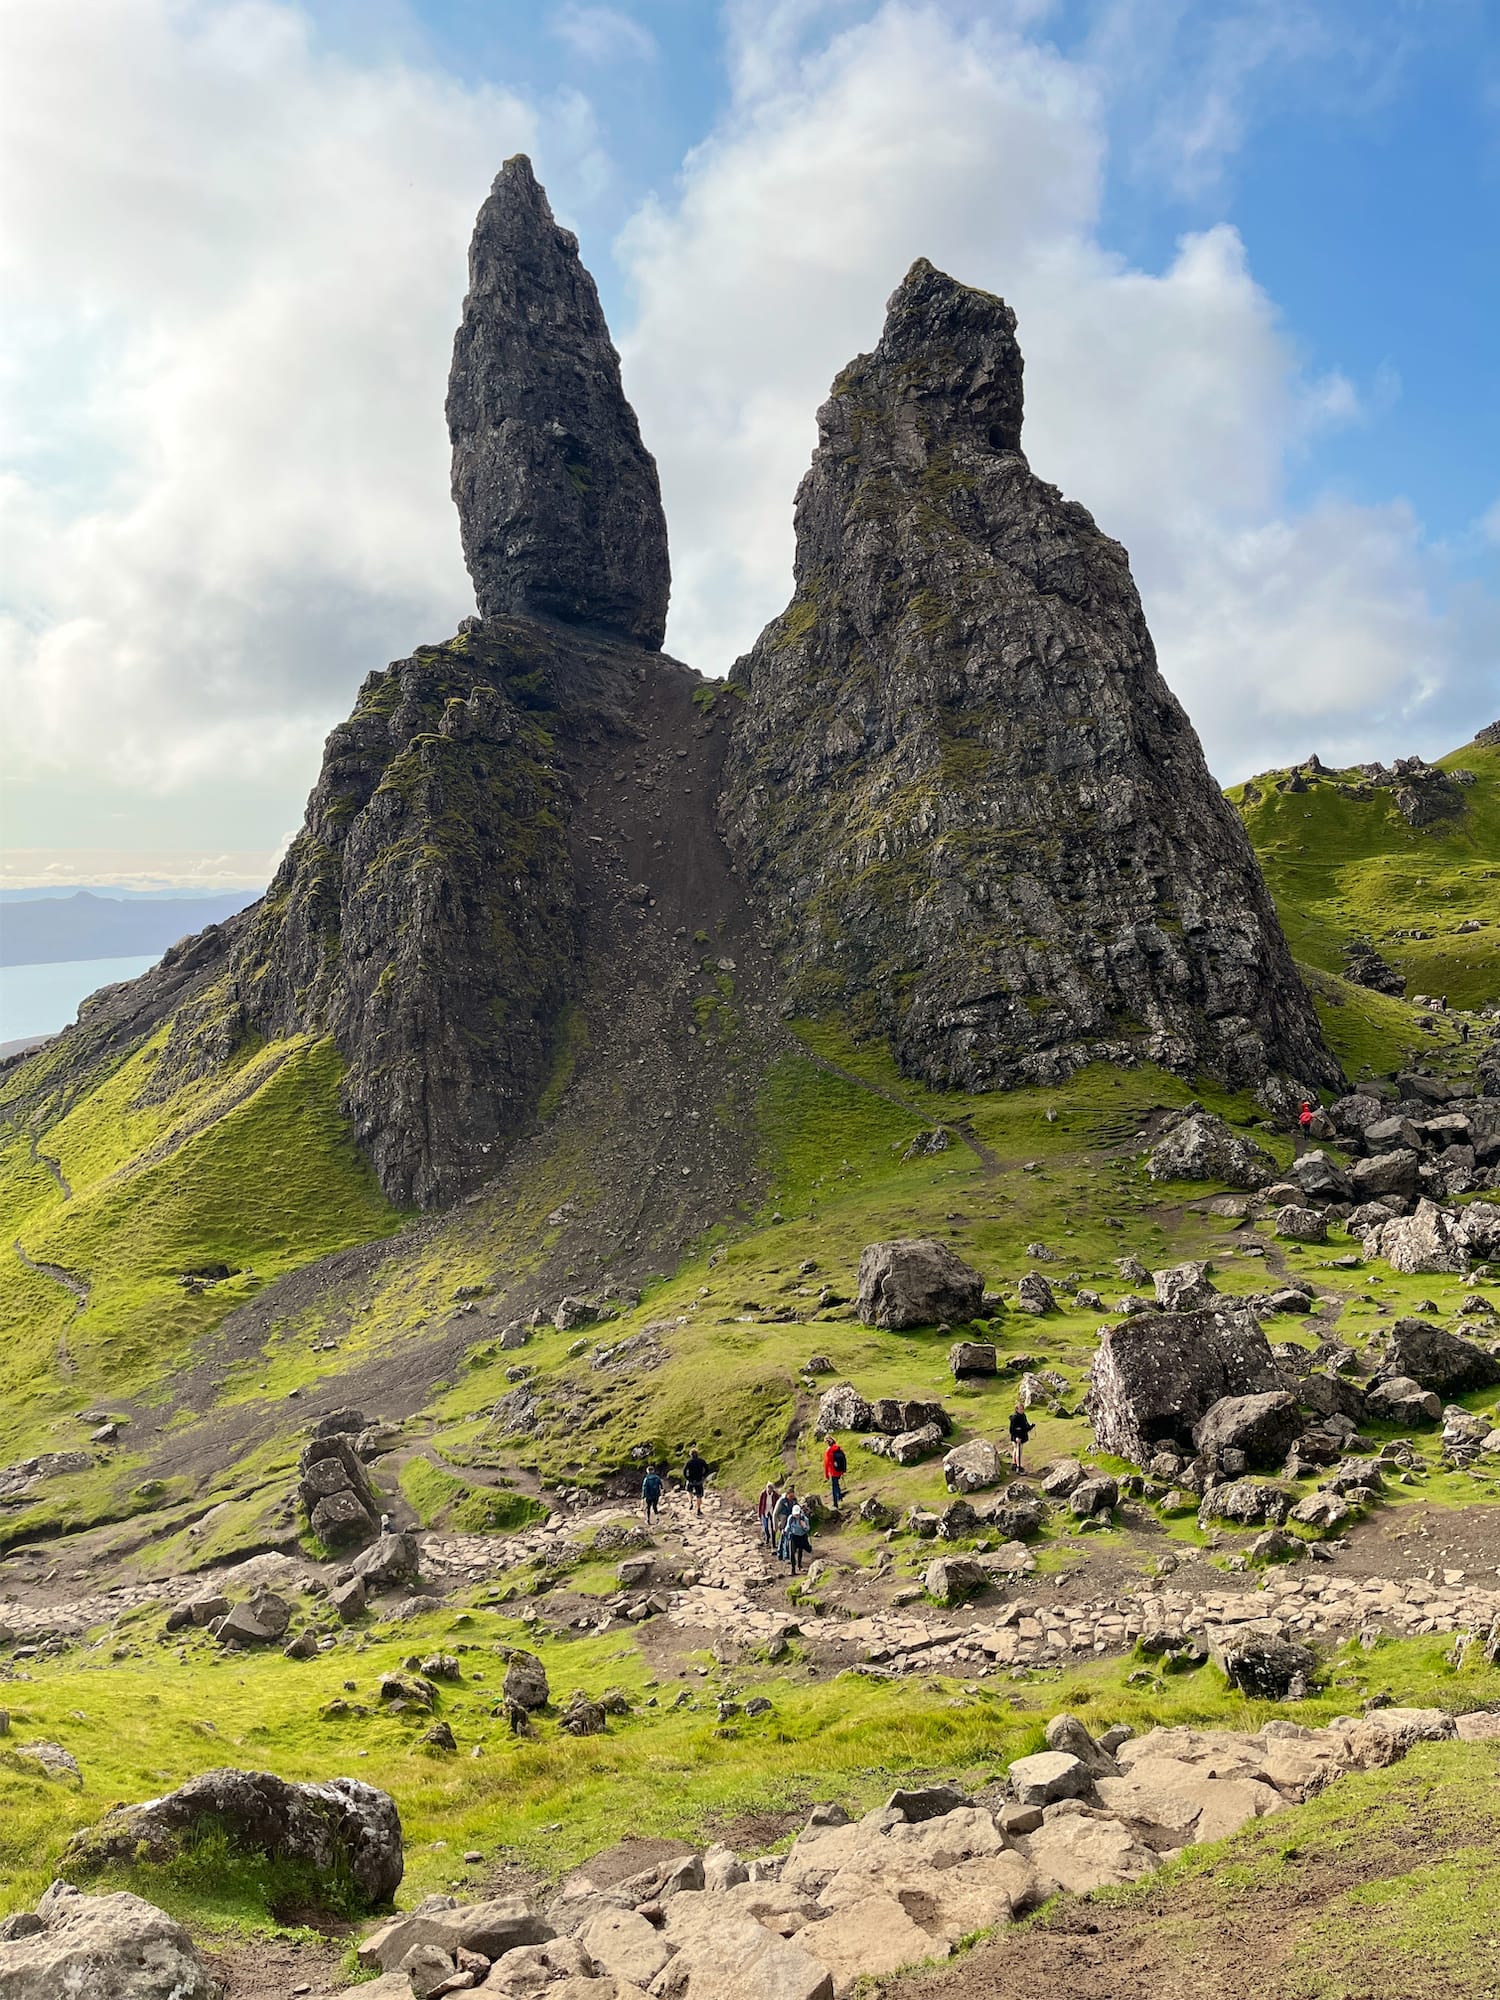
{"x": 106, "y": 1209}
{"x": 1341, "y": 867}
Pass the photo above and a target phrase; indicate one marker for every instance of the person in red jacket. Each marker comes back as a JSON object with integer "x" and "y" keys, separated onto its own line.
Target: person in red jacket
{"x": 835, "y": 1465}
{"x": 1304, "y": 1126}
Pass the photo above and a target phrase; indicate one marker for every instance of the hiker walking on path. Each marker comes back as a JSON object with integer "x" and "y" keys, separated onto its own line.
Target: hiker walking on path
{"x": 1020, "y": 1431}
{"x": 651, "y": 1493}
{"x": 780, "y": 1514}
{"x": 695, "y": 1477}
{"x": 798, "y": 1537}
{"x": 835, "y": 1465}
{"x": 765, "y": 1509}
{"x": 1304, "y": 1127}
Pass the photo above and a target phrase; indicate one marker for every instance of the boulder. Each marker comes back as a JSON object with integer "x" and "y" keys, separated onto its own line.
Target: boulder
{"x": 1263, "y": 1427}
{"x": 911, "y": 1447}
{"x": 1049, "y": 1775}
{"x": 973, "y": 1357}
{"x": 1062, "y": 1478}
{"x": 1327, "y": 1394}
{"x": 735, "y": 1955}
{"x": 113, "y": 1947}
{"x": 625, "y": 1945}
{"x": 1201, "y": 1147}
{"x": 1264, "y": 1668}
{"x": 1097, "y": 1495}
{"x": 1299, "y": 1225}
{"x": 1400, "y": 1400}
{"x": 916, "y": 1281}
{"x": 393, "y": 1559}
{"x": 1184, "y": 1288}
{"x": 334, "y": 1486}
{"x": 526, "y": 1681}
{"x": 1158, "y": 1374}
{"x": 843, "y": 1408}
{"x": 1323, "y": 1511}
{"x": 1034, "y": 1295}
{"x": 340, "y": 1828}
{"x": 1082, "y": 1854}
{"x": 348, "y": 1599}
{"x": 259, "y": 1622}
{"x": 1320, "y": 1178}
{"x": 1385, "y": 1173}
{"x": 971, "y": 1467}
{"x": 869, "y": 1938}
{"x": 895, "y": 1414}
{"x": 494, "y": 1928}
{"x": 1429, "y": 1240}
{"x": 953, "y": 1579}
{"x": 1444, "y": 1362}
{"x": 1250, "y": 1503}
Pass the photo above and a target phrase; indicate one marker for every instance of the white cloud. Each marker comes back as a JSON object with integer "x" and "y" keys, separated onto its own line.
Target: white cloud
{"x": 1170, "y": 403}
{"x": 232, "y": 265}
{"x": 603, "y": 34}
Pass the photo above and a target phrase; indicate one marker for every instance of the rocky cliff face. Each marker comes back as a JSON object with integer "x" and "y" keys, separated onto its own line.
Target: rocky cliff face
{"x": 557, "y": 497}
{"x": 981, "y": 821}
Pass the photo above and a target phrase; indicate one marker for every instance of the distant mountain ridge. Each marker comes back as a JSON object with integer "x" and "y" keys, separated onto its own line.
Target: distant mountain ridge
{"x": 55, "y": 930}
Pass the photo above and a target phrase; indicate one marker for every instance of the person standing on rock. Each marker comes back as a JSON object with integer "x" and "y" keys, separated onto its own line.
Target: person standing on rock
{"x": 651, "y": 1493}
{"x": 835, "y": 1465}
{"x": 765, "y": 1510}
{"x": 1020, "y": 1431}
{"x": 798, "y": 1537}
{"x": 695, "y": 1477}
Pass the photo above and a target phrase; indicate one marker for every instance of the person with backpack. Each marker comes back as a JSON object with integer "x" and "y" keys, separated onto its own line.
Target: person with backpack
{"x": 1020, "y": 1431}
{"x": 1304, "y": 1126}
{"x": 780, "y": 1514}
{"x": 835, "y": 1465}
{"x": 651, "y": 1493}
{"x": 695, "y": 1477}
{"x": 765, "y": 1511}
{"x": 798, "y": 1537}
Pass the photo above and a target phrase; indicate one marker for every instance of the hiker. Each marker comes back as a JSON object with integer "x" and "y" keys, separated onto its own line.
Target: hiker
{"x": 780, "y": 1515}
{"x": 385, "y": 1524}
{"x": 1020, "y": 1431}
{"x": 1463, "y": 1031}
{"x": 1304, "y": 1126}
{"x": 651, "y": 1493}
{"x": 695, "y": 1477}
{"x": 835, "y": 1465}
{"x": 765, "y": 1508}
{"x": 798, "y": 1537}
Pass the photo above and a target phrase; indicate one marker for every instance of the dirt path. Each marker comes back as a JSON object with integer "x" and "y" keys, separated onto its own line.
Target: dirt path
{"x": 54, "y": 1167}
{"x": 77, "y": 1286}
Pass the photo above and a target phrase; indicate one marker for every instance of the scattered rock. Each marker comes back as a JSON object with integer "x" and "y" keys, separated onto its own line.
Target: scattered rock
{"x": 916, "y": 1281}
{"x": 113, "y": 1947}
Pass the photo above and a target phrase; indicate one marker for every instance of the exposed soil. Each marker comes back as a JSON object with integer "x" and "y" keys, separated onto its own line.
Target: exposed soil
{"x": 1199, "y": 1941}
{"x": 275, "y": 1968}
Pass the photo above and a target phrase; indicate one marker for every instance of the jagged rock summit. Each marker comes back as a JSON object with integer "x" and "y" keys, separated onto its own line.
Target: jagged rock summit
{"x": 557, "y": 497}
{"x": 981, "y": 821}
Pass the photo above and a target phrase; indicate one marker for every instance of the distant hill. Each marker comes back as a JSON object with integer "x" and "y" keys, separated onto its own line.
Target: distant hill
{"x": 1405, "y": 858}
{"x": 55, "y": 929}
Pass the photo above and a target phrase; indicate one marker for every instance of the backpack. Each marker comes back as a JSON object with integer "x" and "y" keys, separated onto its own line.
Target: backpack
{"x": 797, "y": 1525}
{"x": 651, "y": 1486}
{"x": 840, "y": 1463}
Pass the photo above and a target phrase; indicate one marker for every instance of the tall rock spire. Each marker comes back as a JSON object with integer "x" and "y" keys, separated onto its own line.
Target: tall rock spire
{"x": 981, "y": 821}
{"x": 557, "y": 496}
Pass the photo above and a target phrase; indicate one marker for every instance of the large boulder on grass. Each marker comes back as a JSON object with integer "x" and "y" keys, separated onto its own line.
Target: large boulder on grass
{"x": 100, "y": 1948}
{"x": 916, "y": 1281}
{"x": 1157, "y": 1375}
{"x": 1444, "y": 1362}
{"x": 1201, "y": 1147}
{"x": 1431, "y": 1240}
{"x": 341, "y": 1831}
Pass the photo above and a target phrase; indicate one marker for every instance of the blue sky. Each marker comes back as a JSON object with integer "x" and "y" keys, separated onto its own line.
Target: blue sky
{"x": 1252, "y": 243}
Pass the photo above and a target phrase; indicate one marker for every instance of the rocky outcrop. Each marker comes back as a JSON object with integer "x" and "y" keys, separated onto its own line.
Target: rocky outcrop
{"x": 1440, "y": 1361}
{"x": 557, "y": 496}
{"x": 981, "y": 821}
{"x": 113, "y": 1947}
{"x": 338, "y": 1831}
{"x": 1157, "y": 1375}
{"x": 916, "y": 1281}
{"x": 1201, "y": 1147}
{"x": 341, "y": 1504}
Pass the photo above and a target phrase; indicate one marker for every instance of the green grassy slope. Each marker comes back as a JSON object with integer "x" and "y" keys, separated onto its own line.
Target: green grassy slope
{"x": 252, "y": 1169}
{"x": 1342, "y": 867}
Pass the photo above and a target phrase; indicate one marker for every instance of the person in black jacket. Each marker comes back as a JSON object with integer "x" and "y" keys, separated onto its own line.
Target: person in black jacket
{"x": 1020, "y": 1431}
{"x": 695, "y": 1477}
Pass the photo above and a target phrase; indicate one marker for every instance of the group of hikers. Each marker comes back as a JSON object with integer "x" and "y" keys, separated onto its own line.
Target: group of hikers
{"x": 784, "y": 1516}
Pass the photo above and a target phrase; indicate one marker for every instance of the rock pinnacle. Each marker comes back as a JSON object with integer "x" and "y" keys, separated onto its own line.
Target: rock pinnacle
{"x": 557, "y": 497}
